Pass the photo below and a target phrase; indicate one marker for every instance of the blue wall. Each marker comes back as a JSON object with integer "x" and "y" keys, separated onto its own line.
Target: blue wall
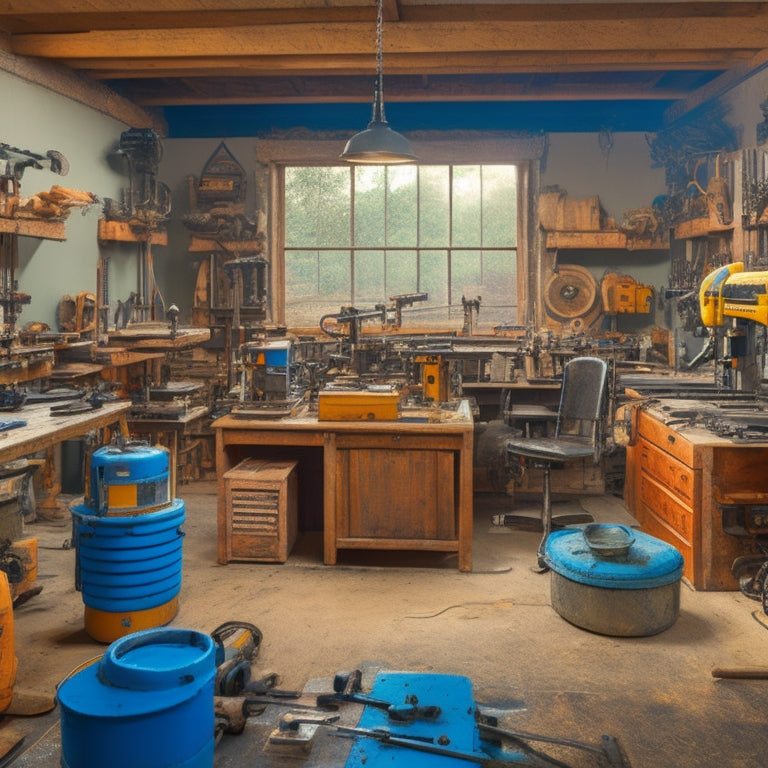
{"x": 193, "y": 122}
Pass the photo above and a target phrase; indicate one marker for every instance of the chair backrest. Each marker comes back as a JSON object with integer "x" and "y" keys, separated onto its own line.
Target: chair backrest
{"x": 582, "y": 399}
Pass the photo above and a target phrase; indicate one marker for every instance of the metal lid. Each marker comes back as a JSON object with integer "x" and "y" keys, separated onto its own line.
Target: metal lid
{"x": 648, "y": 562}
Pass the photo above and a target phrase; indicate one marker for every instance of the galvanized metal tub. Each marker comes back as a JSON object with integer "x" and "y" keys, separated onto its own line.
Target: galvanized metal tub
{"x": 623, "y": 591}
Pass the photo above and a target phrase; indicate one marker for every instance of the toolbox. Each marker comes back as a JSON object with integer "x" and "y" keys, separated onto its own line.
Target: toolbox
{"x": 261, "y": 510}
{"x": 357, "y": 406}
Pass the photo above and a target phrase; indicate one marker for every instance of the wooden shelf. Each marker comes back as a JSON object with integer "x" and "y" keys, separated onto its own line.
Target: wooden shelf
{"x": 699, "y": 228}
{"x": 603, "y": 240}
{"x": 212, "y": 245}
{"x": 158, "y": 336}
{"x": 120, "y": 231}
{"x": 47, "y": 230}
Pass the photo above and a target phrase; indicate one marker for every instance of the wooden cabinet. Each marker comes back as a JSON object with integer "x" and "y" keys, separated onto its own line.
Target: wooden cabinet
{"x": 395, "y": 494}
{"x": 261, "y": 511}
{"x": 672, "y": 475}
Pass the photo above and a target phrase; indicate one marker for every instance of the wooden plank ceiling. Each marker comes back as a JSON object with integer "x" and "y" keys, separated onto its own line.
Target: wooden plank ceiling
{"x": 161, "y": 53}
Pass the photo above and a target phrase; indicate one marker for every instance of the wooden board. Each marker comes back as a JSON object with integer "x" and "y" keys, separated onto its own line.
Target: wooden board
{"x": 47, "y": 230}
{"x": 121, "y": 231}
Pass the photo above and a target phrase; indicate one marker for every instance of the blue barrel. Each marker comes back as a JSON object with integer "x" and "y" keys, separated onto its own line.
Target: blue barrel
{"x": 129, "y": 569}
{"x": 148, "y": 702}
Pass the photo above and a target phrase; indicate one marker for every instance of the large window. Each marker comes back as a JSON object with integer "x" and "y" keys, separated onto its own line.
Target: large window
{"x": 358, "y": 235}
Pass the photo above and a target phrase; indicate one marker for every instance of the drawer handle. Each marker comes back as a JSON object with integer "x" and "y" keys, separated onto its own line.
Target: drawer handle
{"x": 671, "y": 438}
{"x": 395, "y": 438}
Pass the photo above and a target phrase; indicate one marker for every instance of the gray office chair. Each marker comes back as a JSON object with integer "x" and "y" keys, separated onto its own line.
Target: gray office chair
{"x": 578, "y": 431}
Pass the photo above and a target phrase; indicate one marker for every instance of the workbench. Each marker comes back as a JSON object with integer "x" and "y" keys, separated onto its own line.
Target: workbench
{"x": 43, "y": 430}
{"x": 678, "y": 474}
{"x": 386, "y": 485}
{"x": 168, "y": 432}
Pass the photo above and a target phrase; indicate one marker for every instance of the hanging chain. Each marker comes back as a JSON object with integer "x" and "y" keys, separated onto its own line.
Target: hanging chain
{"x": 379, "y": 30}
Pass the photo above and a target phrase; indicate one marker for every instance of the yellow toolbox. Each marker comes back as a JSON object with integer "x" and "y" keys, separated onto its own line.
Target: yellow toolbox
{"x": 262, "y": 510}
{"x": 357, "y": 406}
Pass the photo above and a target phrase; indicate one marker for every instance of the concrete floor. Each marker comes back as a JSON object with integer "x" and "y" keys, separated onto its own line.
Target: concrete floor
{"x": 494, "y": 625}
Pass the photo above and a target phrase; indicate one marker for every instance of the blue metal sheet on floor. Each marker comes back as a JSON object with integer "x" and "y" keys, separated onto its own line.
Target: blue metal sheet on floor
{"x": 455, "y": 728}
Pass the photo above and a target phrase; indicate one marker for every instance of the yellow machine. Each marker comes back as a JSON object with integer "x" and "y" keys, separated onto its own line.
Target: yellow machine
{"x": 731, "y": 292}
{"x": 435, "y": 377}
{"x": 623, "y": 294}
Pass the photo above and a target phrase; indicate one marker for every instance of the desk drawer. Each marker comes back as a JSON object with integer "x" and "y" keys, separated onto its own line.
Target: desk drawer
{"x": 656, "y": 500}
{"x": 667, "y": 439}
{"x": 668, "y": 471}
{"x": 655, "y": 526}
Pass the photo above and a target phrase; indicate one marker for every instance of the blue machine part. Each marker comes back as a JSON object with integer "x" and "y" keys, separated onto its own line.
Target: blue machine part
{"x": 140, "y": 467}
{"x": 649, "y": 562}
{"x": 454, "y": 731}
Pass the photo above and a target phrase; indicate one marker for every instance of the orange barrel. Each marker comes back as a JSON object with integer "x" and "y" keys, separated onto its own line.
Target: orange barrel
{"x": 8, "y": 660}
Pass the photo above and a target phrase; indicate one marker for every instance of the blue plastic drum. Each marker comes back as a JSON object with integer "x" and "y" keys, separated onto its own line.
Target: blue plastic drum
{"x": 148, "y": 702}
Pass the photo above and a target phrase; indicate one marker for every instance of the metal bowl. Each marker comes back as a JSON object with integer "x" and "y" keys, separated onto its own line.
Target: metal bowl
{"x": 608, "y": 540}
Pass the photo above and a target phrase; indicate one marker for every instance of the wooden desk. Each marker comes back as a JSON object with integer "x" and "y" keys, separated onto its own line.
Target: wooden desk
{"x": 43, "y": 430}
{"x": 167, "y": 432}
{"x": 393, "y": 485}
{"x": 676, "y": 476}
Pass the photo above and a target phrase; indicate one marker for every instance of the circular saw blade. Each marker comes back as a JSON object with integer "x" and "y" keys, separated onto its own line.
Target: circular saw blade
{"x": 570, "y": 293}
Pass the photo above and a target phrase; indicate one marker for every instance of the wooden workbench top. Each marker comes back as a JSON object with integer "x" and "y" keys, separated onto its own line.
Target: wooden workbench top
{"x": 43, "y": 430}
{"x": 459, "y": 420}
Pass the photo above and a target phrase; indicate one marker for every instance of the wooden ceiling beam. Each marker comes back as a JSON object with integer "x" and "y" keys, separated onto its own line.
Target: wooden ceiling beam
{"x": 353, "y": 90}
{"x": 52, "y": 15}
{"x": 432, "y": 64}
{"x": 346, "y": 38}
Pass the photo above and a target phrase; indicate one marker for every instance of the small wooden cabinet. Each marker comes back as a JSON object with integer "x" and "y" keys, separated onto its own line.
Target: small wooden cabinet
{"x": 261, "y": 510}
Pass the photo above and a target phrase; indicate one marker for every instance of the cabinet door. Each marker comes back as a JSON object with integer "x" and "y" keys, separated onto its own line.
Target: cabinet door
{"x": 395, "y": 494}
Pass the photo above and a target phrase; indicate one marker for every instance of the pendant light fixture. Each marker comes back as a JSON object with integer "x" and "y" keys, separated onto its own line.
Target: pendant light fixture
{"x": 378, "y": 144}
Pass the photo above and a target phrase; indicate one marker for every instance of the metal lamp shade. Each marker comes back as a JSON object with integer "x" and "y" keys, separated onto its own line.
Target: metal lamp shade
{"x": 378, "y": 144}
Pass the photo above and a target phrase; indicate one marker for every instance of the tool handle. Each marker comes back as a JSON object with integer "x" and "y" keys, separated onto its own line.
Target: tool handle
{"x": 741, "y": 673}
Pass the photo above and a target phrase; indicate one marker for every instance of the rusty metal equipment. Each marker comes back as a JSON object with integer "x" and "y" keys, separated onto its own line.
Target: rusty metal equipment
{"x": 145, "y": 206}
{"x": 435, "y": 377}
{"x": 571, "y": 297}
{"x": 13, "y": 163}
{"x": 146, "y": 202}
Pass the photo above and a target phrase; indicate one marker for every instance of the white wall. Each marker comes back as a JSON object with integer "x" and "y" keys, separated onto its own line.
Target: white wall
{"x": 622, "y": 177}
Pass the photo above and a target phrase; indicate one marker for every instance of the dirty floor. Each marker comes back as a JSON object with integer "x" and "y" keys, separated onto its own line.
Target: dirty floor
{"x": 495, "y": 626}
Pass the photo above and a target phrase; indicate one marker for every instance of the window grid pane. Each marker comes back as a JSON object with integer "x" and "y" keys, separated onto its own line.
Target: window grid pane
{"x": 449, "y": 231}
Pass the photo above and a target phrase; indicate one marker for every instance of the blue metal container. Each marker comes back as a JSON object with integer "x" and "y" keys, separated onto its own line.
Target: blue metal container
{"x": 128, "y": 541}
{"x": 625, "y": 591}
{"x": 128, "y": 479}
{"x": 148, "y": 702}
{"x": 129, "y": 563}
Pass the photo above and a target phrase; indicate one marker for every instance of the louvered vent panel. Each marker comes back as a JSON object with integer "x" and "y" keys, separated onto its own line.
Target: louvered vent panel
{"x": 255, "y": 512}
